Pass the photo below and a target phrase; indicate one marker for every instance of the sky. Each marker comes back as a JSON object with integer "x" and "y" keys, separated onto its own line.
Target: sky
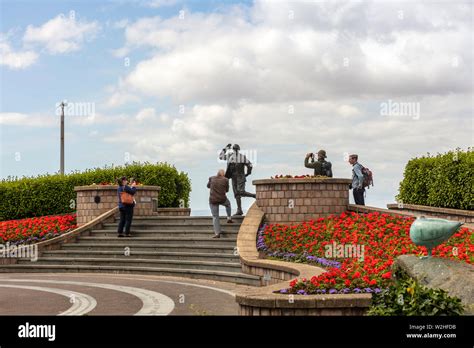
{"x": 176, "y": 81}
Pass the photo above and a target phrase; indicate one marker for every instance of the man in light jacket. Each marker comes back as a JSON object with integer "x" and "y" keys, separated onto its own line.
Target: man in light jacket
{"x": 219, "y": 186}
{"x": 357, "y": 184}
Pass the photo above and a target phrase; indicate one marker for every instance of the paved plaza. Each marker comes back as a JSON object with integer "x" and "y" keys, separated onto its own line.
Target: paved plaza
{"x": 113, "y": 294}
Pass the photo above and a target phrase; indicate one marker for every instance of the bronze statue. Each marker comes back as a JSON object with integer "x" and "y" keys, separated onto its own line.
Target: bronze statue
{"x": 236, "y": 164}
{"x": 321, "y": 166}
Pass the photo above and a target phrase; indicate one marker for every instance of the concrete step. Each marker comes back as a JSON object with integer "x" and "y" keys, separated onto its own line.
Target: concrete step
{"x": 225, "y": 241}
{"x": 144, "y": 255}
{"x": 172, "y": 227}
{"x": 181, "y": 219}
{"x": 233, "y": 277}
{"x": 151, "y": 247}
{"x": 160, "y": 233}
{"x": 137, "y": 262}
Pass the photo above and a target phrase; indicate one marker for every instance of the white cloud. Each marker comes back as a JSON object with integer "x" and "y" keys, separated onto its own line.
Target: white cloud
{"x": 61, "y": 34}
{"x": 15, "y": 59}
{"x": 27, "y": 120}
{"x": 327, "y": 51}
{"x": 161, "y": 3}
{"x": 147, "y": 114}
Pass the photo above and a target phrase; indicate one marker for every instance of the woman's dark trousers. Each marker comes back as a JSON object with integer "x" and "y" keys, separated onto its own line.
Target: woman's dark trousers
{"x": 126, "y": 216}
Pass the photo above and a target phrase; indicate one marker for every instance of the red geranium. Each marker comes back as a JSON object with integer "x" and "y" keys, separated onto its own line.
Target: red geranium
{"x": 37, "y": 228}
{"x": 383, "y": 236}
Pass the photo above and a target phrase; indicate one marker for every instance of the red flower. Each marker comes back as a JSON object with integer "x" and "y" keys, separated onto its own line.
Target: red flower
{"x": 384, "y": 237}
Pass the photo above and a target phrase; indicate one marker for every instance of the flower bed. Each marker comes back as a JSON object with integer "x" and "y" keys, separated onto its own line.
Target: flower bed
{"x": 381, "y": 237}
{"x": 304, "y": 176}
{"x": 33, "y": 230}
{"x": 110, "y": 183}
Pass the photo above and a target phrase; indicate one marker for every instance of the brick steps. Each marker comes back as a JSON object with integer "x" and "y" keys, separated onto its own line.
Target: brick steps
{"x": 177, "y": 246}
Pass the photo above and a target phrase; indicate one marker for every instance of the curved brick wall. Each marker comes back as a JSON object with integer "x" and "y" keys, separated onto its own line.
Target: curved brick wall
{"x": 295, "y": 200}
{"x": 87, "y": 209}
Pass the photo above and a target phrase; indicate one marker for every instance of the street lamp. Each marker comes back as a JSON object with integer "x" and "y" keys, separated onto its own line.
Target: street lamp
{"x": 61, "y": 168}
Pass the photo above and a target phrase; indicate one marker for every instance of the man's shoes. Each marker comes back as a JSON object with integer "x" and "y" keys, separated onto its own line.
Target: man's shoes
{"x": 239, "y": 213}
{"x": 120, "y": 235}
{"x": 216, "y": 236}
{"x": 230, "y": 221}
{"x": 128, "y": 235}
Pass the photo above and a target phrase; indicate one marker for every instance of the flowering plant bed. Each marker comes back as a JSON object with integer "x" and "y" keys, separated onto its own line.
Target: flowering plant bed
{"x": 357, "y": 250}
{"x": 37, "y": 229}
{"x": 105, "y": 183}
{"x": 304, "y": 176}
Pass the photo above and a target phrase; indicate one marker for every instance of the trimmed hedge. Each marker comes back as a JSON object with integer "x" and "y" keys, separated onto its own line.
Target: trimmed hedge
{"x": 54, "y": 194}
{"x": 445, "y": 180}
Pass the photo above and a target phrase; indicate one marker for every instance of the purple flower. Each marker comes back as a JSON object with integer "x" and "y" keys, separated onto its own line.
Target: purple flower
{"x": 357, "y": 290}
{"x": 377, "y": 290}
{"x": 332, "y": 291}
{"x": 283, "y": 291}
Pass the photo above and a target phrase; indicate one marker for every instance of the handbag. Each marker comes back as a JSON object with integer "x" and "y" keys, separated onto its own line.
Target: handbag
{"x": 126, "y": 197}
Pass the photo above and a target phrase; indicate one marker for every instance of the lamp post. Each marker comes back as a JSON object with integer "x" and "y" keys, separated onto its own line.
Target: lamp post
{"x": 61, "y": 168}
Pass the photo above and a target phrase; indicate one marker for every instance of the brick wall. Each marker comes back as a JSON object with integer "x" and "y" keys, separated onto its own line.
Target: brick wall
{"x": 460, "y": 215}
{"x": 86, "y": 208}
{"x": 289, "y": 201}
{"x": 293, "y": 311}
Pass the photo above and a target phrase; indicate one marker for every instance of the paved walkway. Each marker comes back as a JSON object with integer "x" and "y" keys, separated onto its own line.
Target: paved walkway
{"x": 113, "y": 294}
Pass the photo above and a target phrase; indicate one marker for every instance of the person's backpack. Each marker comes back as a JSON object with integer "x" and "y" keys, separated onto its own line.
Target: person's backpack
{"x": 368, "y": 177}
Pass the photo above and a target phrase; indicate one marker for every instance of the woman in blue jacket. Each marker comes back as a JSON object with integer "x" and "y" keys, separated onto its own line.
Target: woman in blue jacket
{"x": 126, "y": 210}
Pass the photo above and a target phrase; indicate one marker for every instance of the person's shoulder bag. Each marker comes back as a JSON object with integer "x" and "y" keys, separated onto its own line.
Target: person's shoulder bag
{"x": 126, "y": 197}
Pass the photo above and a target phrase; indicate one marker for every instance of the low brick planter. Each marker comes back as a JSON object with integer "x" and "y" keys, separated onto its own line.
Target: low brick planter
{"x": 265, "y": 304}
{"x": 363, "y": 209}
{"x": 276, "y": 274}
{"x": 289, "y": 201}
{"x": 460, "y": 215}
{"x": 87, "y": 209}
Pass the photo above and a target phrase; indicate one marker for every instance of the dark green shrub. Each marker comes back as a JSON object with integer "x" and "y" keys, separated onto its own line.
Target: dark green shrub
{"x": 406, "y": 297}
{"x": 54, "y": 194}
{"x": 445, "y": 180}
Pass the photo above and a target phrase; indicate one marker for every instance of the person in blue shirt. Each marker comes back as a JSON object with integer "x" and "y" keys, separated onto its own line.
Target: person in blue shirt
{"x": 126, "y": 210}
{"x": 357, "y": 180}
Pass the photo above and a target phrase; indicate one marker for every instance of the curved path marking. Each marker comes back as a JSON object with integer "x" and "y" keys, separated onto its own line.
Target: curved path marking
{"x": 154, "y": 303}
{"x": 81, "y": 305}
{"x": 114, "y": 276}
{"x": 228, "y": 292}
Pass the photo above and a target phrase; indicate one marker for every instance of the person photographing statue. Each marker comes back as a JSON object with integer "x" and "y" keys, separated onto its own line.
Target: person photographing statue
{"x": 236, "y": 164}
{"x": 321, "y": 166}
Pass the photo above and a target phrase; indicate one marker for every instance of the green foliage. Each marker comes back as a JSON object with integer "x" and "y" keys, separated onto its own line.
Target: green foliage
{"x": 406, "y": 297}
{"x": 54, "y": 194}
{"x": 445, "y": 180}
